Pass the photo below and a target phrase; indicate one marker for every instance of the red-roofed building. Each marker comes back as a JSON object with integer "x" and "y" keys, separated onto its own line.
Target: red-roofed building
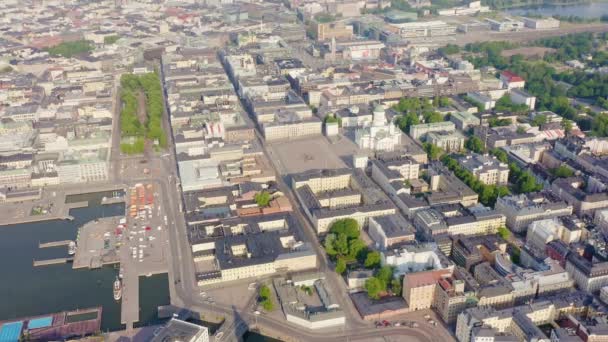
{"x": 511, "y": 80}
{"x": 419, "y": 288}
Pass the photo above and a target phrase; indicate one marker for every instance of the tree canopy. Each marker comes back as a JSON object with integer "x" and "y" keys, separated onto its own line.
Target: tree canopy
{"x": 71, "y": 49}
{"x": 262, "y": 199}
{"x": 475, "y": 144}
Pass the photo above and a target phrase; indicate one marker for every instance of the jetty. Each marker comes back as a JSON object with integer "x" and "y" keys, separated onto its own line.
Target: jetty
{"x": 54, "y": 244}
{"x": 52, "y": 261}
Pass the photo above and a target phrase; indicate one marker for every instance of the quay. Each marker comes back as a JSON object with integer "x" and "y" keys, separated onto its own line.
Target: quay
{"x": 52, "y": 261}
{"x": 52, "y": 204}
{"x": 54, "y": 244}
{"x": 97, "y": 244}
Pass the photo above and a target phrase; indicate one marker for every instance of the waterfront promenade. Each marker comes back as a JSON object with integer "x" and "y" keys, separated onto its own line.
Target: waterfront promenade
{"x": 52, "y": 205}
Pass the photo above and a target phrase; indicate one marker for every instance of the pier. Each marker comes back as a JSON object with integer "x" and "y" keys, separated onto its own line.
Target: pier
{"x": 97, "y": 244}
{"x": 52, "y": 261}
{"x": 129, "y": 306}
{"x": 54, "y": 244}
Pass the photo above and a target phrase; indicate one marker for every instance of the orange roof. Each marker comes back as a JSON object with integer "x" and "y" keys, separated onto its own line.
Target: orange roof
{"x": 425, "y": 278}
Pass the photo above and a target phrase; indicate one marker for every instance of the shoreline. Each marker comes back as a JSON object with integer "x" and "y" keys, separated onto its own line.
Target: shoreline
{"x": 546, "y": 3}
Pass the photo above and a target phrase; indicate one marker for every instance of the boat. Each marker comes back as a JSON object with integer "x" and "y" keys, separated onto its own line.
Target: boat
{"x": 72, "y": 248}
{"x": 117, "y": 289}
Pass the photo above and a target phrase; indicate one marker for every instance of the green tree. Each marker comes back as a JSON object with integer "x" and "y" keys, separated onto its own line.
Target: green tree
{"x": 567, "y": 126}
{"x": 475, "y": 144}
{"x": 347, "y": 226}
{"x": 264, "y": 292}
{"x": 341, "y": 244}
{"x": 500, "y": 155}
{"x": 432, "y": 117}
{"x": 396, "y": 287}
{"x": 340, "y": 266}
{"x": 262, "y": 199}
{"x": 527, "y": 183}
{"x": 329, "y": 245}
{"x": 70, "y": 49}
{"x": 433, "y": 151}
{"x": 405, "y": 121}
{"x": 331, "y": 118}
{"x": 268, "y": 304}
{"x": 562, "y": 171}
{"x": 539, "y": 120}
{"x": 504, "y": 233}
{"x": 449, "y": 49}
{"x": 444, "y": 101}
{"x": 374, "y": 287}
{"x": 356, "y": 248}
{"x": 372, "y": 260}
{"x": 385, "y": 274}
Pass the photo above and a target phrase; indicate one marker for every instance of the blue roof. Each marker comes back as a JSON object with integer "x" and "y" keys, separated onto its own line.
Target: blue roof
{"x": 10, "y": 332}
{"x": 41, "y": 322}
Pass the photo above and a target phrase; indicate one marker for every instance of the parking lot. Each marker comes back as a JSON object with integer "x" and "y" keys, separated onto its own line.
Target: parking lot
{"x": 145, "y": 228}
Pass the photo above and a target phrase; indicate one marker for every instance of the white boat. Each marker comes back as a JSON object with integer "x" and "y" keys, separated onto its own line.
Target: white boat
{"x": 117, "y": 289}
{"x": 72, "y": 248}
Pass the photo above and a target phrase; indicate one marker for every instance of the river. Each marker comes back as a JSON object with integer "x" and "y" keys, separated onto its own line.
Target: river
{"x": 583, "y": 10}
{"x": 28, "y": 290}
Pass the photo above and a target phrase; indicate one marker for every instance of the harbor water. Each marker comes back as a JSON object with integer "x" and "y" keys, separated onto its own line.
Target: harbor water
{"x": 28, "y": 290}
{"x": 584, "y": 10}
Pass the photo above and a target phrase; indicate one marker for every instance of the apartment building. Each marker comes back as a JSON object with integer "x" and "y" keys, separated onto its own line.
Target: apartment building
{"x": 573, "y": 191}
{"x": 287, "y": 125}
{"x": 587, "y": 275}
{"x": 450, "y": 299}
{"x": 521, "y": 321}
{"x": 521, "y": 210}
{"x": 447, "y": 141}
{"x": 419, "y": 288}
{"x": 418, "y": 131}
{"x": 391, "y": 230}
{"x": 330, "y": 195}
{"x": 464, "y": 120}
{"x": 487, "y": 169}
{"x": 454, "y": 219}
{"x": 248, "y": 247}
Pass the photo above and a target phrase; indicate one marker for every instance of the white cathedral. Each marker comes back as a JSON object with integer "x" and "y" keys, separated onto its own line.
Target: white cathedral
{"x": 381, "y": 135}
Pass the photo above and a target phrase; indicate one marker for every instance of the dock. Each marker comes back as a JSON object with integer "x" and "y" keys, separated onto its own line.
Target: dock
{"x": 129, "y": 306}
{"x": 54, "y": 244}
{"x": 97, "y": 244}
{"x": 52, "y": 261}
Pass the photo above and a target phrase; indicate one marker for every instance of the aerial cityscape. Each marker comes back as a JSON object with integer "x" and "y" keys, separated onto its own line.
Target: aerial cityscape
{"x": 304, "y": 170}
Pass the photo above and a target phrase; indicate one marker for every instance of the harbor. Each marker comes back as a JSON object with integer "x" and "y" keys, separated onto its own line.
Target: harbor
{"x": 128, "y": 242}
{"x": 47, "y": 243}
{"x": 55, "y": 204}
